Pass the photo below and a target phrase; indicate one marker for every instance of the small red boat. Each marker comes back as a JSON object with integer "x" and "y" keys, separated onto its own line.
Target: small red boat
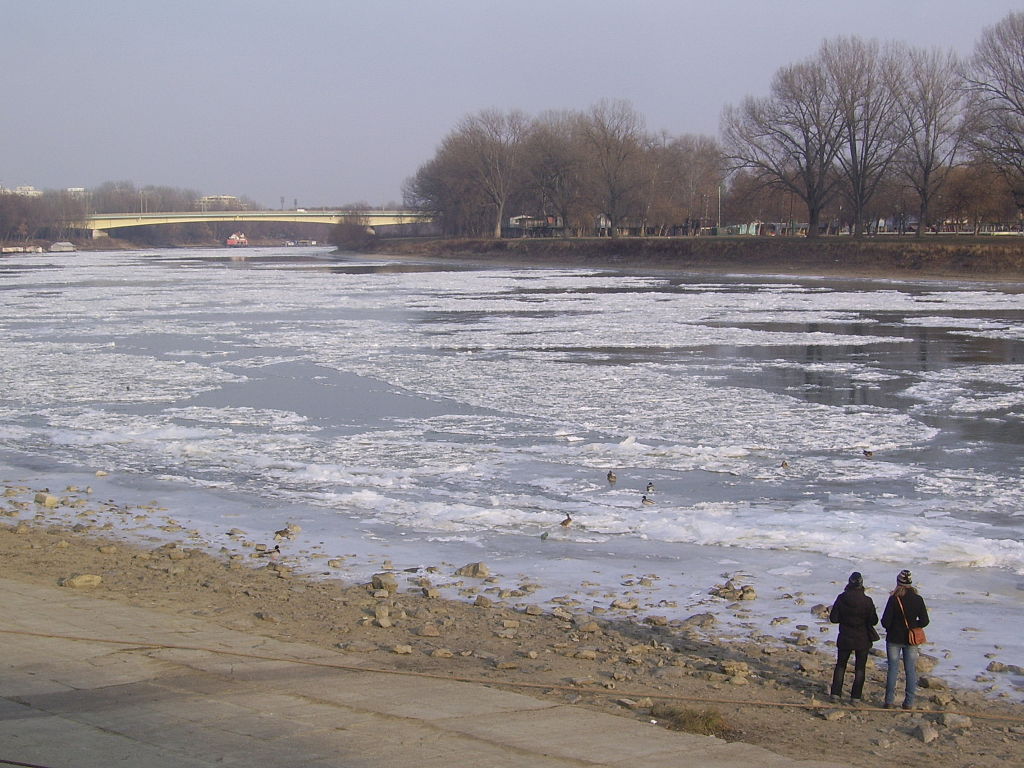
{"x": 237, "y": 240}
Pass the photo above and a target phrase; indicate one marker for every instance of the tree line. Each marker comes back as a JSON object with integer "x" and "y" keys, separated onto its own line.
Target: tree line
{"x": 861, "y": 131}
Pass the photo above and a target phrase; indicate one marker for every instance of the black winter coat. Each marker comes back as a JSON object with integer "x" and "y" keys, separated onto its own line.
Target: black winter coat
{"x": 892, "y": 617}
{"x": 855, "y": 614}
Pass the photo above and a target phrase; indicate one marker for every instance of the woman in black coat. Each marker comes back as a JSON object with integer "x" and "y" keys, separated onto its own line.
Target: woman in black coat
{"x": 904, "y": 610}
{"x": 855, "y": 614}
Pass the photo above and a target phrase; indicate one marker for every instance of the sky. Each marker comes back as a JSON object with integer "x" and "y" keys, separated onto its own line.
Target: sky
{"x": 329, "y": 102}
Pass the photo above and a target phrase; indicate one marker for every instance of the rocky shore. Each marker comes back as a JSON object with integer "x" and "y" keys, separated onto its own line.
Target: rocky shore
{"x": 681, "y": 673}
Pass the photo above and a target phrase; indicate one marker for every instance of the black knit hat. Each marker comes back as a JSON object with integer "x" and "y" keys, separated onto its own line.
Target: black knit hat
{"x": 904, "y": 579}
{"x": 856, "y": 580}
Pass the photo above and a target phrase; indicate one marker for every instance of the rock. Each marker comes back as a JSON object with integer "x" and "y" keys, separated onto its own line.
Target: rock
{"x": 932, "y": 683}
{"x": 998, "y": 666}
{"x": 429, "y": 630}
{"x": 431, "y": 593}
{"x": 506, "y": 665}
{"x": 735, "y": 668}
{"x": 560, "y": 613}
{"x": 441, "y": 653}
{"x": 474, "y": 571}
{"x": 700, "y": 621}
{"x": 657, "y": 621}
{"x": 533, "y": 610}
{"x": 107, "y": 549}
{"x": 624, "y": 604}
{"x": 747, "y": 593}
{"x": 268, "y": 617}
{"x": 590, "y": 626}
{"x": 82, "y": 581}
{"x": 290, "y": 531}
{"x": 335, "y": 562}
{"x": 482, "y": 601}
{"x": 101, "y": 473}
{"x": 47, "y": 500}
{"x": 821, "y": 611}
{"x": 925, "y": 732}
{"x": 402, "y": 650}
{"x": 384, "y": 581}
{"x": 586, "y": 654}
{"x": 953, "y": 720}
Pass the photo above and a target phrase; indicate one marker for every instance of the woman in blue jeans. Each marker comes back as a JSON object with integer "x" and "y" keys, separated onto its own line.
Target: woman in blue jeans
{"x": 905, "y": 609}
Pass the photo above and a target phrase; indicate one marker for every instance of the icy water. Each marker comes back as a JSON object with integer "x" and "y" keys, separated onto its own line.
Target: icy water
{"x": 793, "y": 429}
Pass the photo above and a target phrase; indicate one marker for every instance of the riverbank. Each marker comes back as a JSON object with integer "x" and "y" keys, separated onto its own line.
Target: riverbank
{"x": 773, "y": 695}
{"x": 967, "y": 258}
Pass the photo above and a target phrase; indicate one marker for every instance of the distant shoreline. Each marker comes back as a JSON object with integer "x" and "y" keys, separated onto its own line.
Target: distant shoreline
{"x": 968, "y": 258}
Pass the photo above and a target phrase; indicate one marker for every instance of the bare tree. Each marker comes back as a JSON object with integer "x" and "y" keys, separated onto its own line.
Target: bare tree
{"x": 492, "y": 143}
{"x": 931, "y": 110}
{"x": 684, "y": 174}
{"x": 553, "y": 167}
{"x": 865, "y": 84}
{"x": 994, "y": 81}
{"x": 443, "y": 187}
{"x": 612, "y": 134}
{"x": 790, "y": 139}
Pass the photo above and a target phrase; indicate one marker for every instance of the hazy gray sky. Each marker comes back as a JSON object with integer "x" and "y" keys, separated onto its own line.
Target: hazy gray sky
{"x": 331, "y": 101}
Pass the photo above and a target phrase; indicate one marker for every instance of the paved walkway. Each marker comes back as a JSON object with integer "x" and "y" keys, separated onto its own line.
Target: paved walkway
{"x": 80, "y": 704}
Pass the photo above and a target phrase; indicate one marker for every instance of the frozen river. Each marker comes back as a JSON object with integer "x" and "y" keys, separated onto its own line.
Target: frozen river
{"x": 793, "y": 429}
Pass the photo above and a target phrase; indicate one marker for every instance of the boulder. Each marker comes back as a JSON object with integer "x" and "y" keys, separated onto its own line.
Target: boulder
{"x": 953, "y": 720}
{"x": 384, "y": 581}
{"x": 474, "y": 571}
{"x": 82, "y": 581}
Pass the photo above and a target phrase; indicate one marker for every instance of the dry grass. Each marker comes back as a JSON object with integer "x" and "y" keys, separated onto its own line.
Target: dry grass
{"x": 706, "y": 722}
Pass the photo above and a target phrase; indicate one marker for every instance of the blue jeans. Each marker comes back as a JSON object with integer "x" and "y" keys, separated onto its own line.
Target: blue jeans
{"x": 909, "y": 652}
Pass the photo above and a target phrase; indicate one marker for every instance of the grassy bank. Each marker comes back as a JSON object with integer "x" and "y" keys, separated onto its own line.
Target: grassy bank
{"x": 969, "y": 258}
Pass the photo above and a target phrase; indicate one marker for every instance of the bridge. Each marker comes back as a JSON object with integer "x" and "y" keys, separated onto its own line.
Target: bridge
{"x": 101, "y": 222}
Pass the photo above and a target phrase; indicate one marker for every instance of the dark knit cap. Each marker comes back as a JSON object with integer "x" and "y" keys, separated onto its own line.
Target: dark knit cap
{"x": 856, "y": 580}
{"x": 904, "y": 579}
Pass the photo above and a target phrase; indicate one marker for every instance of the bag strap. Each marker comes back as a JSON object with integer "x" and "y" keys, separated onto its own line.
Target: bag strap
{"x": 904, "y": 612}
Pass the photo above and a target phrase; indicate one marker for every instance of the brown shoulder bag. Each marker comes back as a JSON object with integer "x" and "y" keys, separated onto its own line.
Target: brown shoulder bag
{"x": 915, "y": 635}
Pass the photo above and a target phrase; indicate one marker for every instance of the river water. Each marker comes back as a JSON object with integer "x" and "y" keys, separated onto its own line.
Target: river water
{"x": 793, "y": 429}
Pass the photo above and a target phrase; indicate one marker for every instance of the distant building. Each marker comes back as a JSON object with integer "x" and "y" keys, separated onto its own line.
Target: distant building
{"x": 23, "y": 191}
{"x": 219, "y": 203}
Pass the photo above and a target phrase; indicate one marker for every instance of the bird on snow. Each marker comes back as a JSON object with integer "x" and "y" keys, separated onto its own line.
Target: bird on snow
{"x": 650, "y": 487}
{"x": 611, "y": 477}
{"x": 567, "y": 522}
{"x": 645, "y": 500}
{"x": 868, "y": 453}
{"x": 784, "y": 464}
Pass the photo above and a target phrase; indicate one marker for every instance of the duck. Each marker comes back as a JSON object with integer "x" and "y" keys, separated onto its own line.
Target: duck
{"x": 611, "y": 477}
{"x": 567, "y": 522}
{"x": 868, "y": 453}
{"x": 650, "y": 487}
{"x": 274, "y": 554}
{"x": 645, "y": 500}
{"x": 784, "y": 464}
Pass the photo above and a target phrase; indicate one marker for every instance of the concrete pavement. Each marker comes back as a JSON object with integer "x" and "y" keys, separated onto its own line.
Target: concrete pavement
{"x": 84, "y": 704}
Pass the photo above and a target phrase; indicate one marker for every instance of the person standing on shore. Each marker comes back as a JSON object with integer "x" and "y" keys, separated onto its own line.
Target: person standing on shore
{"x": 904, "y": 611}
{"x": 856, "y": 616}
